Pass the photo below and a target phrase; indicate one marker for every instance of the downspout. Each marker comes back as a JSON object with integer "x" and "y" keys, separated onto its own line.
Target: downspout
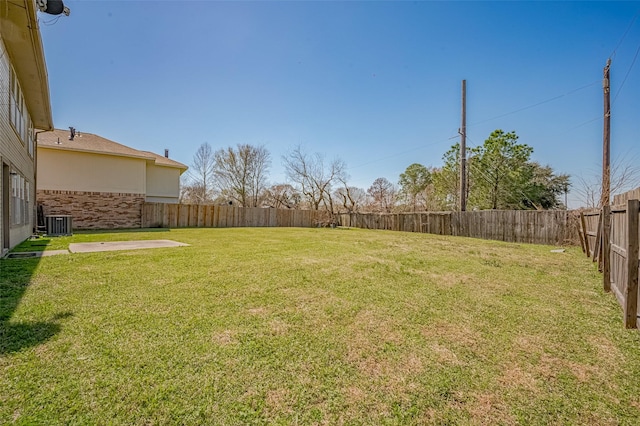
{"x": 35, "y": 179}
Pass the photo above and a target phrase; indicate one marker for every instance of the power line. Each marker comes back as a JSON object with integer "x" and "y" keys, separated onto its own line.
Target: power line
{"x": 613, "y": 54}
{"x": 627, "y": 74}
{"x": 570, "y": 92}
{"x": 401, "y": 153}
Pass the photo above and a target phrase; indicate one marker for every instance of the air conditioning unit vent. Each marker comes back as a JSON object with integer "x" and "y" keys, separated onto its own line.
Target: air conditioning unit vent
{"x": 58, "y": 225}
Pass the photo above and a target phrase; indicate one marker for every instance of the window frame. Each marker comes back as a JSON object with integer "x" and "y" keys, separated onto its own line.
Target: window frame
{"x": 19, "y": 114}
{"x": 20, "y": 213}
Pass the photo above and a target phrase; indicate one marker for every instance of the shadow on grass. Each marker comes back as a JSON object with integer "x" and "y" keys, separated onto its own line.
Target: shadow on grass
{"x": 39, "y": 244}
{"x": 15, "y": 277}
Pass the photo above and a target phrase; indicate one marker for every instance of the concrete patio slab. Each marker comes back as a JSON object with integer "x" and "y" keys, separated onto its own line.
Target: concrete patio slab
{"x": 122, "y": 245}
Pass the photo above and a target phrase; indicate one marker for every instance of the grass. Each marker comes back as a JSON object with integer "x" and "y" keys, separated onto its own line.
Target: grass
{"x": 312, "y": 326}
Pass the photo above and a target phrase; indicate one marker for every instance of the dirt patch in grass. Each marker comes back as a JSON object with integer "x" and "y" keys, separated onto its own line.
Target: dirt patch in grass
{"x": 259, "y": 311}
{"x": 225, "y": 338}
{"x": 448, "y": 279}
{"x": 489, "y": 409}
{"x": 445, "y": 355}
{"x": 550, "y": 367}
{"x": 278, "y": 402}
{"x": 460, "y": 334}
{"x": 607, "y": 349}
{"x": 278, "y": 327}
{"x": 515, "y": 376}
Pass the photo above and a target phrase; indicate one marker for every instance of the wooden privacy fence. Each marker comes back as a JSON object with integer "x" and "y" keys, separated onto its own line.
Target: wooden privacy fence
{"x": 588, "y": 231}
{"x": 611, "y": 236}
{"x": 536, "y": 227}
{"x": 517, "y": 226}
{"x": 159, "y": 215}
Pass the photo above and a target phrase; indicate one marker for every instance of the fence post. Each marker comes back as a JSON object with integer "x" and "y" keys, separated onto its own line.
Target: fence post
{"x": 631, "y": 296}
{"x": 581, "y": 237}
{"x": 606, "y": 247}
{"x": 596, "y": 246}
{"x": 584, "y": 233}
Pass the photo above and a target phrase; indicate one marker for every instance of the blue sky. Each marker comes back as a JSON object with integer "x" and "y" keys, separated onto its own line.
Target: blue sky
{"x": 376, "y": 84}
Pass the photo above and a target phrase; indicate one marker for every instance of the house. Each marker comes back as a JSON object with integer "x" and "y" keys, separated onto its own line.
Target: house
{"x": 102, "y": 184}
{"x": 24, "y": 106}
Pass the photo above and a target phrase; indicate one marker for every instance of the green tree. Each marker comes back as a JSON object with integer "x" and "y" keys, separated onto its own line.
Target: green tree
{"x": 497, "y": 171}
{"x": 414, "y": 181}
{"x": 543, "y": 188}
{"x": 446, "y": 180}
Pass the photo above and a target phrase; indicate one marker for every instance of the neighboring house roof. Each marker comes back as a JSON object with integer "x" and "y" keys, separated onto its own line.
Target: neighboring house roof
{"x": 88, "y": 142}
{"x": 21, "y": 36}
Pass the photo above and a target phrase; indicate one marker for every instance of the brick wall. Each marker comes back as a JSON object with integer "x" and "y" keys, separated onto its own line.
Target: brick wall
{"x": 94, "y": 210}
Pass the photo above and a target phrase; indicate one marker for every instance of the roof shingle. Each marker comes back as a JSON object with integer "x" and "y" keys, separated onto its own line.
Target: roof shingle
{"x": 88, "y": 142}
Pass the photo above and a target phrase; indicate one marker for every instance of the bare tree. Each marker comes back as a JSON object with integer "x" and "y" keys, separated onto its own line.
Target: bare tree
{"x": 282, "y": 196}
{"x": 351, "y": 198}
{"x": 383, "y": 193}
{"x": 197, "y": 187}
{"x": 192, "y": 193}
{"x": 241, "y": 173}
{"x": 313, "y": 178}
{"x": 625, "y": 175}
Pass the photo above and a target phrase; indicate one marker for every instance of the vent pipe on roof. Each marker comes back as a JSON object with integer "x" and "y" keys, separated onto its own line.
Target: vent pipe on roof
{"x": 72, "y": 133}
{"x": 166, "y": 153}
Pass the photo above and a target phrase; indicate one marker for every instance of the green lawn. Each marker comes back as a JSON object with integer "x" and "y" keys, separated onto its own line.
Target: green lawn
{"x": 312, "y": 326}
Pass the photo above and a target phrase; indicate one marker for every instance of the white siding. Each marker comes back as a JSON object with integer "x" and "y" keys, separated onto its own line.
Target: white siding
{"x": 64, "y": 170}
{"x": 163, "y": 184}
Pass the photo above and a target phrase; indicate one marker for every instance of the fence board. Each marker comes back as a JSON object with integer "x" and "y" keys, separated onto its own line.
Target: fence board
{"x": 618, "y": 254}
{"x": 618, "y": 226}
{"x": 606, "y": 248}
{"x": 210, "y": 216}
{"x": 596, "y": 247}
{"x": 634, "y": 194}
{"x": 583, "y": 227}
{"x": 539, "y": 227}
{"x": 631, "y": 307}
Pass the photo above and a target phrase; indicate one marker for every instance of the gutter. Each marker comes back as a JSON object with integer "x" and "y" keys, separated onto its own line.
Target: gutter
{"x": 36, "y": 43}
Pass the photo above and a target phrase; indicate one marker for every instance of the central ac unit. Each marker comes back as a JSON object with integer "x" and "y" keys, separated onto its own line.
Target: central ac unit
{"x": 58, "y": 225}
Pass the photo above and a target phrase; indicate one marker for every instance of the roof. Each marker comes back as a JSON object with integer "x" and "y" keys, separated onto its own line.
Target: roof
{"x": 21, "y": 36}
{"x": 88, "y": 142}
{"x": 164, "y": 161}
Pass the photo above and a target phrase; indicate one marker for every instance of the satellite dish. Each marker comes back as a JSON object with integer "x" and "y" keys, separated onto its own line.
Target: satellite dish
{"x": 53, "y": 7}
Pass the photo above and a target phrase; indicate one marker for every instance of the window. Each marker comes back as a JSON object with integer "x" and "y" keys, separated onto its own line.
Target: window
{"x": 20, "y": 200}
{"x": 18, "y": 113}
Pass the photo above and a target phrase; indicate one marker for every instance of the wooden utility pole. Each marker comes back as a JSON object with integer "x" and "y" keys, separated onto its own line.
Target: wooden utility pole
{"x": 463, "y": 150}
{"x": 606, "y": 139}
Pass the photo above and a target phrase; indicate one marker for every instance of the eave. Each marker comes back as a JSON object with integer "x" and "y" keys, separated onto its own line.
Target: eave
{"x": 21, "y": 36}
